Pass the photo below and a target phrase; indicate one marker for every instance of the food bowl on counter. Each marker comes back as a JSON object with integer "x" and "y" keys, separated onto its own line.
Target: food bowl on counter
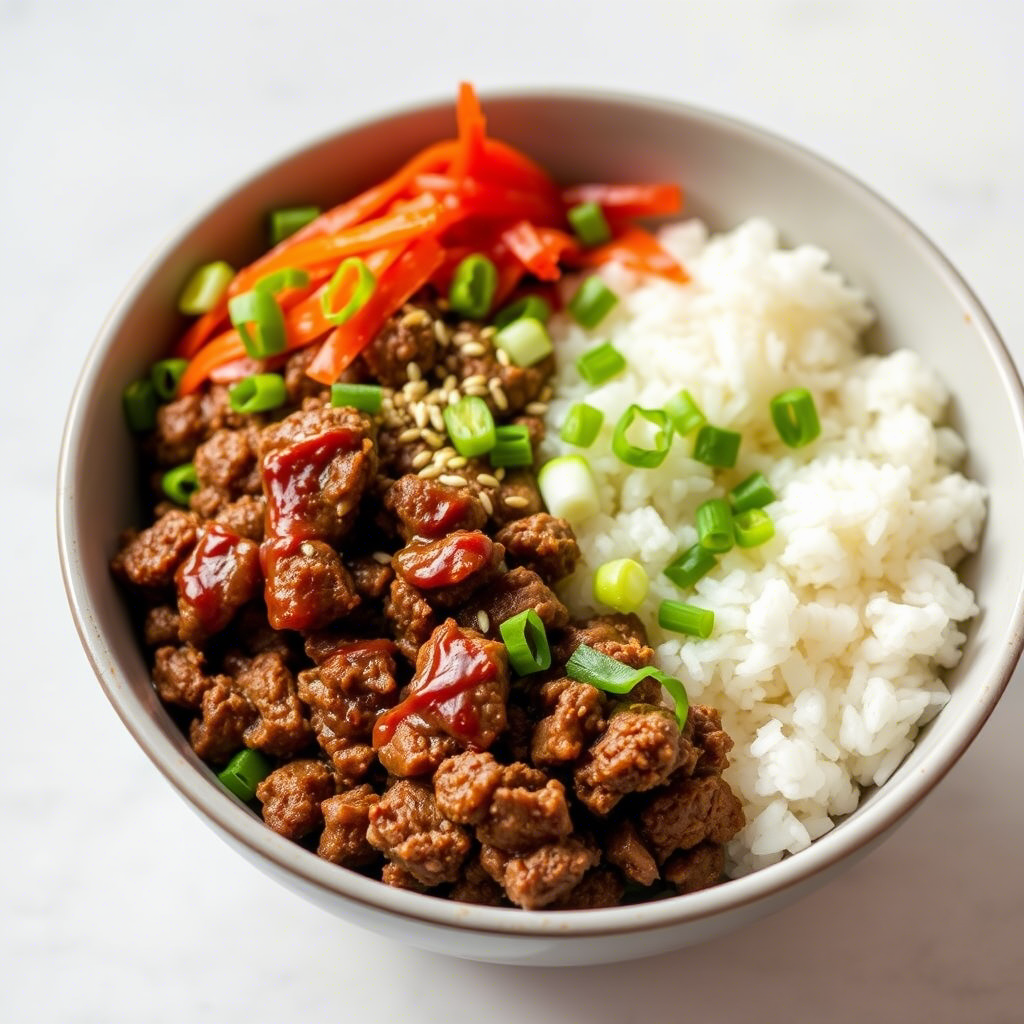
{"x": 730, "y": 173}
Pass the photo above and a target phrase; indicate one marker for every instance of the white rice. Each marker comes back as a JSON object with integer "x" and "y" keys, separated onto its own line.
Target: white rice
{"x": 829, "y": 639}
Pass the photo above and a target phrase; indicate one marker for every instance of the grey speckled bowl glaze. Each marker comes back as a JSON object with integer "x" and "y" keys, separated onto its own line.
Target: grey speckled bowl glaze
{"x": 730, "y": 171}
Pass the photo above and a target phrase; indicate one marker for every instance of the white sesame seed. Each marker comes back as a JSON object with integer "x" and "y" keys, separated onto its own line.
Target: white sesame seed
{"x": 462, "y": 337}
{"x": 414, "y": 318}
{"x": 485, "y": 500}
{"x": 486, "y": 480}
{"x": 447, "y": 452}
{"x": 413, "y": 372}
{"x": 488, "y": 332}
{"x": 430, "y": 472}
{"x": 434, "y": 439}
{"x": 475, "y": 380}
{"x": 441, "y": 332}
{"x": 399, "y": 399}
{"x": 500, "y": 472}
{"x": 420, "y": 415}
{"x": 516, "y": 501}
{"x": 412, "y": 434}
{"x": 476, "y": 391}
{"x": 537, "y": 408}
{"x": 436, "y": 418}
{"x": 483, "y": 620}
{"x": 422, "y": 458}
{"x": 453, "y": 480}
{"x": 502, "y": 356}
{"x": 472, "y": 348}
{"x": 307, "y": 549}
{"x": 381, "y": 556}
{"x": 498, "y": 394}
{"x": 458, "y": 462}
{"x": 451, "y": 382}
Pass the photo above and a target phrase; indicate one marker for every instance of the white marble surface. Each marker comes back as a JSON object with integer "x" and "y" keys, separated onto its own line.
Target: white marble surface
{"x": 116, "y": 120}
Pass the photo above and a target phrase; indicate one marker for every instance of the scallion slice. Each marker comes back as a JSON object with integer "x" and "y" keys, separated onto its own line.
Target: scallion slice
{"x": 568, "y": 488}
{"x": 259, "y": 321}
{"x": 582, "y": 425}
{"x": 529, "y": 307}
{"x": 714, "y": 526}
{"x": 286, "y": 277}
{"x": 685, "y": 413}
{"x": 634, "y": 455}
{"x": 526, "y": 641}
{"x": 590, "y": 224}
{"x": 754, "y": 492}
{"x": 353, "y": 279}
{"x": 600, "y": 363}
{"x": 244, "y": 772}
{"x": 690, "y": 566}
{"x": 287, "y": 221}
{"x": 139, "y": 403}
{"x": 471, "y": 427}
{"x": 525, "y": 341}
{"x": 795, "y": 417}
{"x": 716, "y": 447}
{"x": 686, "y": 618}
{"x": 180, "y": 483}
{"x": 473, "y": 286}
{"x": 205, "y": 288}
{"x": 753, "y": 527}
{"x": 165, "y": 375}
{"x": 512, "y": 446}
{"x": 588, "y": 665}
{"x": 364, "y": 397}
{"x": 593, "y": 301}
{"x": 621, "y": 584}
{"x": 259, "y": 393}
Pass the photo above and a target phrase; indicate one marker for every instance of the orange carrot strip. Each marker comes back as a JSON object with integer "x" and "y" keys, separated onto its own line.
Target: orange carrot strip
{"x": 639, "y": 250}
{"x": 222, "y": 349}
{"x": 628, "y": 200}
{"x": 472, "y": 126}
{"x": 538, "y": 249}
{"x": 201, "y": 330}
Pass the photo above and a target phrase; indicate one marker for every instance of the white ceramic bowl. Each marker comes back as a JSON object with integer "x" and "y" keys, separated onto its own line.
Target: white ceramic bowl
{"x": 729, "y": 171}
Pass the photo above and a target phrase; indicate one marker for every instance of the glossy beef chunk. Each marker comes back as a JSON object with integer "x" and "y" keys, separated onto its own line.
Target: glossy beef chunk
{"x": 333, "y": 597}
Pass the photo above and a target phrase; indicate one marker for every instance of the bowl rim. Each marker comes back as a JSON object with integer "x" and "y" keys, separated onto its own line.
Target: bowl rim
{"x": 225, "y": 813}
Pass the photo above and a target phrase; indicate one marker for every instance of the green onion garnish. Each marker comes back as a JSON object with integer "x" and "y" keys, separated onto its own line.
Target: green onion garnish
{"x": 753, "y": 527}
{"x": 621, "y": 584}
{"x": 139, "y": 402}
{"x": 588, "y": 665}
{"x": 568, "y": 488}
{"x": 259, "y": 321}
{"x": 512, "y": 446}
{"x": 526, "y": 642}
{"x": 714, "y": 526}
{"x": 685, "y": 413}
{"x": 690, "y": 565}
{"x": 525, "y": 341}
{"x": 245, "y": 771}
{"x": 259, "y": 393}
{"x": 364, "y": 397}
{"x": 589, "y": 223}
{"x": 165, "y": 376}
{"x": 473, "y": 286}
{"x": 582, "y": 425}
{"x": 633, "y": 455}
{"x": 593, "y": 301}
{"x": 286, "y": 277}
{"x": 180, "y": 483}
{"x": 795, "y": 417}
{"x": 357, "y": 278}
{"x": 471, "y": 427}
{"x": 600, "y": 363}
{"x": 205, "y": 288}
{"x": 754, "y": 492}
{"x": 716, "y": 447}
{"x": 529, "y": 307}
{"x": 686, "y": 618}
{"x": 287, "y": 221}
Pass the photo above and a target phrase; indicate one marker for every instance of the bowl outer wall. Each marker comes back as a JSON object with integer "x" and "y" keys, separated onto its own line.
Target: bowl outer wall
{"x": 730, "y": 171}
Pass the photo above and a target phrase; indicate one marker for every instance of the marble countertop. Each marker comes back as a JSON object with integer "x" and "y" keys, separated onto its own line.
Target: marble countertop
{"x": 118, "y": 121}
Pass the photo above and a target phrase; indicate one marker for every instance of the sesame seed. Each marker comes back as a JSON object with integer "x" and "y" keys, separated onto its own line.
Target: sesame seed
{"x": 413, "y": 372}
{"x": 440, "y": 332}
{"x": 462, "y": 337}
{"x": 436, "y": 418}
{"x": 486, "y": 480}
{"x": 500, "y": 472}
{"x": 475, "y": 380}
{"x": 489, "y": 332}
{"x": 453, "y": 480}
{"x": 447, "y": 451}
{"x": 537, "y": 408}
{"x": 414, "y": 318}
{"x": 502, "y": 356}
{"x": 483, "y": 620}
{"x": 458, "y": 462}
{"x": 434, "y": 439}
{"x": 485, "y": 500}
{"x": 476, "y": 391}
{"x": 472, "y": 348}
{"x": 498, "y": 394}
{"x": 420, "y": 415}
{"x": 516, "y": 501}
{"x": 430, "y": 472}
{"x": 422, "y": 458}
{"x": 381, "y": 556}
{"x": 412, "y": 434}
{"x": 307, "y": 549}
{"x": 451, "y": 382}
{"x": 399, "y": 399}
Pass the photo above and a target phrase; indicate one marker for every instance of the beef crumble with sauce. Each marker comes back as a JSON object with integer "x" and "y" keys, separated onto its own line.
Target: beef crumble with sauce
{"x": 332, "y": 598}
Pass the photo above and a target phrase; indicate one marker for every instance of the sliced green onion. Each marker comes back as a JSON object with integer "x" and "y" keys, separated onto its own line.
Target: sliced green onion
{"x": 473, "y": 286}
{"x": 582, "y": 425}
{"x": 568, "y": 488}
{"x": 753, "y": 527}
{"x": 716, "y": 447}
{"x": 364, "y": 397}
{"x": 795, "y": 417}
{"x": 714, "y": 525}
{"x": 259, "y": 393}
{"x": 180, "y": 483}
{"x": 165, "y": 376}
{"x": 690, "y": 565}
{"x": 754, "y": 492}
{"x": 526, "y": 642}
{"x": 588, "y": 665}
{"x": 593, "y": 301}
{"x": 529, "y": 307}
{"x": 621, "y": 584}
{"x": 287, "y": 221}
{"x": 589, "y": 223}
{"x": 686, "y": 618}
{"x": 600, "y": 363}
{"x": 205, "y": 288}
{"x": 139, "y": 403}
{"x": 471, "y": 427}
{"x": 525, "y": 341}
{"x": 685, "y": 413}
{"x": 359, "y": 291}
{"x": 245, "y": 771}
{"x": 259, "y": 321}
{"x": 512, "y": 446}
{"x": 633, "y": 455}
{"x": 286, "y": 277}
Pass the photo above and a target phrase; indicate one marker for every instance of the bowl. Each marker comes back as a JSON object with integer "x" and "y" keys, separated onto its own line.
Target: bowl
{"x": 729, "y": 171}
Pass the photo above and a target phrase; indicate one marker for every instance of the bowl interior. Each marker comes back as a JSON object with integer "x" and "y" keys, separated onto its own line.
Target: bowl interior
{"x": 729, "y": 172}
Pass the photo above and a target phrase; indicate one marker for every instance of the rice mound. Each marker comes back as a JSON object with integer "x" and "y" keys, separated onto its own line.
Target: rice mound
{"x": 829, "y": 639}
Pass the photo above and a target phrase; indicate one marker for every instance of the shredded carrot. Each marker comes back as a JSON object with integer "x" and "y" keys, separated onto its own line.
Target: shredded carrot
{"x": 627, "y": 201}
{"x": 538, "y": 249}
{"x": 638, "y": 250}
{"x": 472, "y": 127}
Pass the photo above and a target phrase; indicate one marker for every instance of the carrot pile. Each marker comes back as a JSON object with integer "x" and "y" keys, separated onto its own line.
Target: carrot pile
{"x": 472, "y": 194}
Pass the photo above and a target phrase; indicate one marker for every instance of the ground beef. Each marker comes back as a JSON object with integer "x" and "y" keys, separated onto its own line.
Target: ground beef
{"x": 307, "y": 586}
{"x": 447, "y": 571}
{"x": 521, "y": 385}
{"x": 625, "y": 849}
{"x": 224, "y": 717}
{"x": 346, "y": 817}
{"x": 704, "y": 728}
{"x": 244, "y": 517}
{"x": 281, "y": 728}
{"x": 621, "y": 637}
{"x": 228, "y": 461}
{"x": 408, "y": 337}
{"x": 151, "y": 558}
{"x": 508, "y": 595}
{"x": 428, "y": 509}
{"x": 696, "y": 869}
{"x": 291, "y": 797}
{"x": 161, "y": 626}
{"x": 179, "y": 430}
{"x": 370, "y": 577}
{"x": 576, "y": 714}
{"x": 517, "y": 497}
{"x": 179, "y": 675}
{"x": 536, "y": 879}
{"x": 543, "y": 543}
{"x": 476, "y": 886}
{"x": 297, "y": 382}
{"x": 412, "y": 620}
{"x": 602, "y": 887}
